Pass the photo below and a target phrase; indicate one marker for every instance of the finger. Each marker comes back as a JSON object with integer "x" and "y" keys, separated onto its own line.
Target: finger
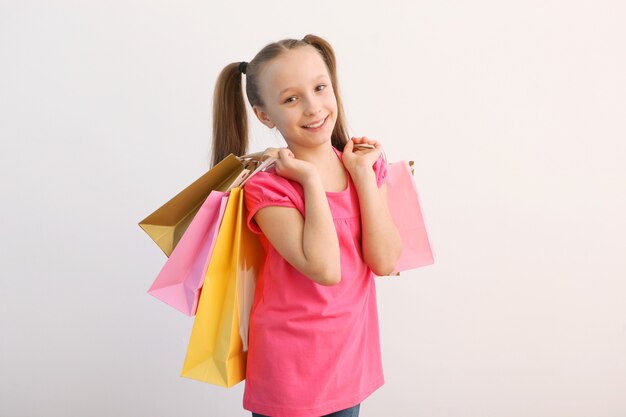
{"x": 370, "y": 141}
{"x": 271, "y": 152}
{"x": 283, "y": 153}
{"x": 364, "y": 147}
{"x": 278, "y": 166}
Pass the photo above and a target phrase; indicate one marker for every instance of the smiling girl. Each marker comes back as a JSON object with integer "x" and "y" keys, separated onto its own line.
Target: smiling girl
{"x": 322, "y": 217}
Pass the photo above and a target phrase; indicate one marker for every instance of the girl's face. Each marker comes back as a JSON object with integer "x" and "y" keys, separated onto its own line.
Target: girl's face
{"x": 299, "y": 98}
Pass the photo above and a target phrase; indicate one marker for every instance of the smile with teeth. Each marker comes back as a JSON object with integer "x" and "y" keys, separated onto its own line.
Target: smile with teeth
{"x": 316, "y": 125}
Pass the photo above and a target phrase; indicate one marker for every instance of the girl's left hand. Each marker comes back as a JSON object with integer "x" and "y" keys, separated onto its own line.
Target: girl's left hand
{"x": 360, "y": 160}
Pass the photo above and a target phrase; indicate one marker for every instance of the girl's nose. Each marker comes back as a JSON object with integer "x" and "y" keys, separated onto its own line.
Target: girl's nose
{"x": 312, "y": 106}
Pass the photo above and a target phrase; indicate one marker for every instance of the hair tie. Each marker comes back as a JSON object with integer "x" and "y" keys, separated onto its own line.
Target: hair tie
{"x": 242, "y": 67}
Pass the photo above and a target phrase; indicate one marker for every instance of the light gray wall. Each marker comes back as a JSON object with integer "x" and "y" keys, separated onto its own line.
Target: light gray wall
{"x": 513, "y": 113}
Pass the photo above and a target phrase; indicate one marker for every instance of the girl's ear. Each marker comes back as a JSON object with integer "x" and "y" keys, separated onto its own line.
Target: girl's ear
{"x": 262, "y": 116}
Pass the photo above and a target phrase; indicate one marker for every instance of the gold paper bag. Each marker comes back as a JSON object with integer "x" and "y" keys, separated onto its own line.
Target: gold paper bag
{"x": 168, "y": 223}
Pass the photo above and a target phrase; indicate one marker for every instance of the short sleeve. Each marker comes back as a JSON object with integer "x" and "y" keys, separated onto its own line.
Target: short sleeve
{"x": 263, "y": 190}
{"x": 380, "y": 168}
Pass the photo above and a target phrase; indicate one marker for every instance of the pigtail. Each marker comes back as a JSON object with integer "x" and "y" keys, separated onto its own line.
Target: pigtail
{"x": 340, "y": 136}
{"x": 230, "y": 121}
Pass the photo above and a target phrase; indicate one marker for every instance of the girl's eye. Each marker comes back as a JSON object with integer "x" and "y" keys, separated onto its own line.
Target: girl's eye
{"x": 289, "y": 99}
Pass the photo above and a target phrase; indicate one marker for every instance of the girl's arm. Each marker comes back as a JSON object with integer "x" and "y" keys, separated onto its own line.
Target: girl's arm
{"x": 381, "y": 241}
{"x": 309, "y": 244}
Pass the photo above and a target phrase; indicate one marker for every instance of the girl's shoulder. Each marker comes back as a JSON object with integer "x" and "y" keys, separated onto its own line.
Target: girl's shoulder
{"x": 269, "y": 186}
{"x": 268, "y": 178}
{"x": 265, "y": 189}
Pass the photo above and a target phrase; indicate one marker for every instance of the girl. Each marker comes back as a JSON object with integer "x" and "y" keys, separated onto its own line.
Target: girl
{"x": 321, "y": 214}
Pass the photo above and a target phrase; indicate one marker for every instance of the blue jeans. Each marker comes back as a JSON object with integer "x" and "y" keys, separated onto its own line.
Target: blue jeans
{"x": 348, "y": 412}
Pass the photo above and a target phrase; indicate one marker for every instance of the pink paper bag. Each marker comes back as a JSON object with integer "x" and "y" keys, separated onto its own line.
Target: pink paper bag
{"x": 181, "y": 278}
{"x": 406, "y": 213}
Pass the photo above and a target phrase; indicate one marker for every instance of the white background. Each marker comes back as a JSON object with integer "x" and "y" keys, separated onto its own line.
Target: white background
{"x": 514, "y": 113}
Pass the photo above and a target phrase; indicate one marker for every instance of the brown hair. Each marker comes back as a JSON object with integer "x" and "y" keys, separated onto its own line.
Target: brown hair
{"x": 230, "y": 122}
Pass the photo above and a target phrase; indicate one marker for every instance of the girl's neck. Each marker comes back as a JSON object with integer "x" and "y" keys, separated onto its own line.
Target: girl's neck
{"x": 322, "y": 156}
{"x": 328, "y": 164}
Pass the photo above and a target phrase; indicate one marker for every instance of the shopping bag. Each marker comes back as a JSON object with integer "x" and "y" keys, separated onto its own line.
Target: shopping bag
{"x": 406, "y": 212}
{"x": 217, "y": 348}
{"x": 167, "y": 224}
{"x": 179, "y": 282}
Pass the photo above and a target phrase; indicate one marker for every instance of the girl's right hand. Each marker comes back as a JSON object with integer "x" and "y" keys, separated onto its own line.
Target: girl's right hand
{"x": 289, "y": 167}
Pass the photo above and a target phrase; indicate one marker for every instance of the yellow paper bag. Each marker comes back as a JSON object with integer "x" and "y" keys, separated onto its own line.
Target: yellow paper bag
{"x": 216, "y": 352}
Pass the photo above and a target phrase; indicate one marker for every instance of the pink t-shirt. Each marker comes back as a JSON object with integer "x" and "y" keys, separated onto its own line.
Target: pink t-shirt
{"x": 313, "y": 349}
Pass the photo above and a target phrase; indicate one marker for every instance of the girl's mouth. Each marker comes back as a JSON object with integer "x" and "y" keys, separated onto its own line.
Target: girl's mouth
{"x": 314, "y": 127}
